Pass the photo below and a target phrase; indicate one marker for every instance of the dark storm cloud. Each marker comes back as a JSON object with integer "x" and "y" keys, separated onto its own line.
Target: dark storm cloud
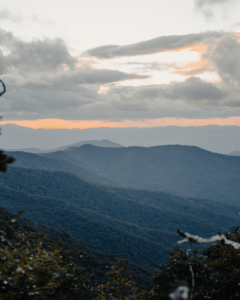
{"x": 160, "y": 44}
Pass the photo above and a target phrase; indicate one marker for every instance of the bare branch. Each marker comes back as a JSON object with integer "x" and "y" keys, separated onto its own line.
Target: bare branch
{"x": 4, "y": 88}
{"x": 189, "y": 238}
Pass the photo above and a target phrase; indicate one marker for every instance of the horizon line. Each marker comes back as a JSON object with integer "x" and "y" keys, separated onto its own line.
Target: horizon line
{"x": 51, "y": 123}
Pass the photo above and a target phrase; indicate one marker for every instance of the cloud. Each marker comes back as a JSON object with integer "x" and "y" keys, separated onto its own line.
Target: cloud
{"x": 144, "y": 67}
{"x": 85, "y": 93}
{"x": 202, "y": 3}
{"x": 32, "y": 57}
{"x": 194, "y": 68}
{"x": 68, "y": 100}
{"x": 6, "y": 14}
{"x": 44, "y": 61}
{"x": 160, "y": 44}
{"x": 226, "y": 57}
{"x": 19, "y": 17}
{"x": 236, "y": 25}
{"x": 206, "y": 6}
{"x": 88, "y": 75}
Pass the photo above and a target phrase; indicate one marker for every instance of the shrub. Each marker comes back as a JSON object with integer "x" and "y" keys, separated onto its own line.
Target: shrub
{"x": 212, "y": 273}
{"x": 30, "y": 271}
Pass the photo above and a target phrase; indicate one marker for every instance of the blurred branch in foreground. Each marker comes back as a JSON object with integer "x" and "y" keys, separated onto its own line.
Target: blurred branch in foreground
{"x": 189, "y": 238}
{"x": 4, "y": 159}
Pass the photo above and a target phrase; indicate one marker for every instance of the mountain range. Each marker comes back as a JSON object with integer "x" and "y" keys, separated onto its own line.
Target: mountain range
{"x": 219, "y": 139}
{"x": 102, "y": 143}
{"x": 182, "y": 170}
{"x": 127, "y": 223}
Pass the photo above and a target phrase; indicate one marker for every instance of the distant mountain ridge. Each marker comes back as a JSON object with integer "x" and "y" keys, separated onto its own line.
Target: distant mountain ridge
{"x": 102, "y": 143}
{"x": 182, "y": 170}
{"x": 135, "y": 224}
{"x": 235, "y": 153}
{"x": 219, "y": 139}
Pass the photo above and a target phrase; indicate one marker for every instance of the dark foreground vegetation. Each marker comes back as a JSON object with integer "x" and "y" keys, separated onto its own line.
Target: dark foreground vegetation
{"x": 33, "y": 267}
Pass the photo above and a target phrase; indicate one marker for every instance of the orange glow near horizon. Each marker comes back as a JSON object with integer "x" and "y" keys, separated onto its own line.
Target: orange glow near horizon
{"x": 84, "y": 124}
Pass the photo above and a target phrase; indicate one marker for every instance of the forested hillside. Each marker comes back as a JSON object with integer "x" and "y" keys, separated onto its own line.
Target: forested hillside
{"x": 134, "y": 224}
{"x": 92, "y": 258}
{"x": 35, "y": 161}
{"x": 181, "y": 170}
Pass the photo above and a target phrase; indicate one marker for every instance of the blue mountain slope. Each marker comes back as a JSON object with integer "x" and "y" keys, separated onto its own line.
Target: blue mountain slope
{"x": 139, "y": 225}
{"x": 182, "y": 170}
{"x": 35, "y": 161}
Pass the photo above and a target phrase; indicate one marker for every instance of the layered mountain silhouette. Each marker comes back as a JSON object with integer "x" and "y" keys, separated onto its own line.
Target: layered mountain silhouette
{"x": 182, "y": 170}
{"x": 134, "y": 224}
{"x": 219, "y": 139}
{"x": 102, "y": 143}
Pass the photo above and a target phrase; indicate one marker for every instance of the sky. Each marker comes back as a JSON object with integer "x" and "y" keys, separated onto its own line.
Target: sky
{"x": 86, "y": 64}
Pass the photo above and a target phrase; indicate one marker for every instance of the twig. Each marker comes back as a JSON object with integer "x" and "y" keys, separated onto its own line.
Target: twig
{"x": 189, "y": 238}
{"x": 4, "y": 88}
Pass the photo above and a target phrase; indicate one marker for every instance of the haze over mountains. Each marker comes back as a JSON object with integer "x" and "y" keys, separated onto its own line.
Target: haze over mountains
{"x": 181, "y": 170}
{"x": 235, "y": 153}
{"x": 126, "y": 201}
{"x": 219, "y": 139}
{"x": 102, "y": 143}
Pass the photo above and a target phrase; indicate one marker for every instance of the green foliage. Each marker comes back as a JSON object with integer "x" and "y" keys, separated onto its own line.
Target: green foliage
{"x": 216, "y": 272}
{"x": 118, "y": 286}
{"x": 93, "y": 259}
{"x": 28, "y": 271}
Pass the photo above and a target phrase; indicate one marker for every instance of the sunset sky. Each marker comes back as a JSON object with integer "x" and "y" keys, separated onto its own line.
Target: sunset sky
{"x": 85, "y": 64}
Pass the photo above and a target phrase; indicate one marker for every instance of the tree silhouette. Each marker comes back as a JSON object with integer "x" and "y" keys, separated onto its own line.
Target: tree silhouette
{"x": 4, "y": 159}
